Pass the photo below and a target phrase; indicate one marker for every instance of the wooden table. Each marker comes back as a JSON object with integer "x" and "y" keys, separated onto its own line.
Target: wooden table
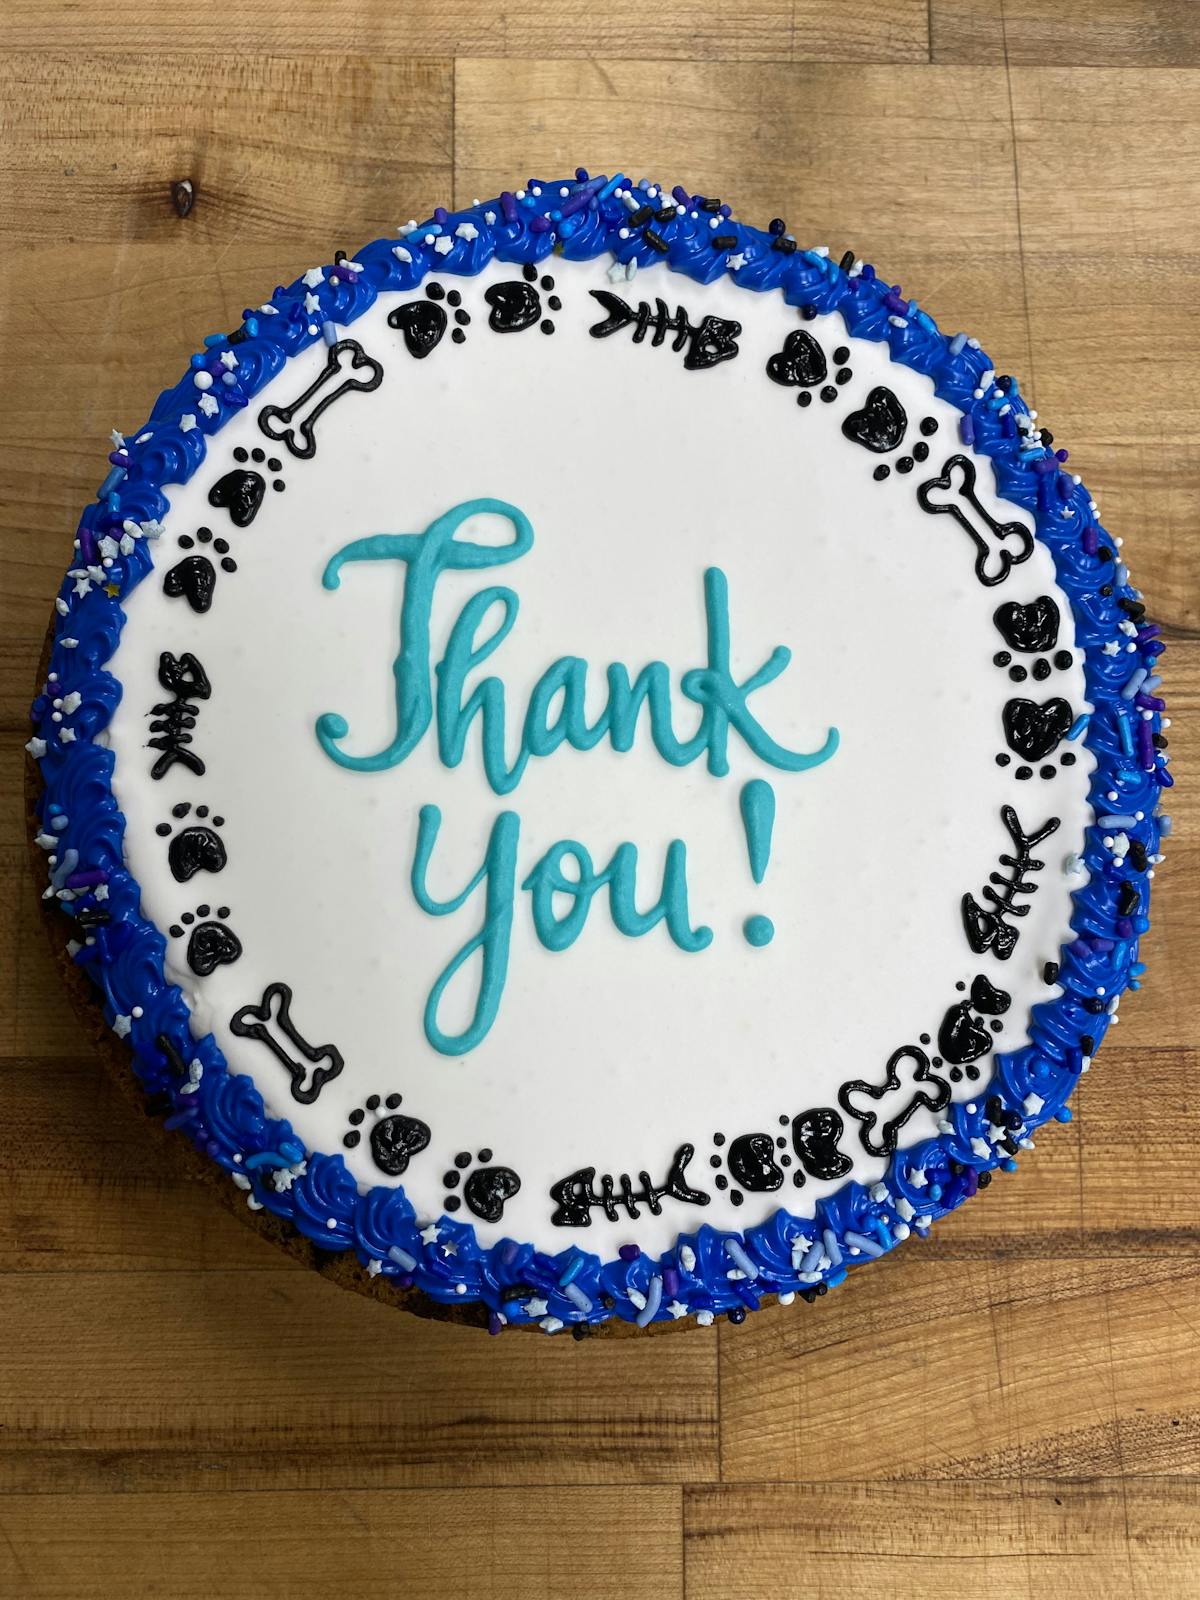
{"x": 1012, "y": 1408}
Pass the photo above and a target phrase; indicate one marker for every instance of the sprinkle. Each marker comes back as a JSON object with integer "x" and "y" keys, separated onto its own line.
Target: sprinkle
{"x": 653, "y": 1300}
{"x": 704, "y": 1318}
{"x": 313, "y": 277}
{"x": 329, "y": 333}
{"x": 547, "y": 1324}
{"x": 737, "y": 1254}
{"x": 1121, "y": 819}
{"x": 832, "y": 1249}
{"x": 860, "y": 1242}
{"x": 443, "y": 246}
{"x": 687, "y": 1258}
{"x": 467, "y": 231}
{"x": 1133, "y": 683}
{"x": 577, "y": 1297}
{"x": 1079, "y": 726}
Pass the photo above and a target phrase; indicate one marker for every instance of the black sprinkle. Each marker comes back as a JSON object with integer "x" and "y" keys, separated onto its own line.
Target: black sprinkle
{"x": 1050, "y": 972}
{"x": 656, "y": 241}
{"x": 785, "y": 246}
{"x": 641, "y": 216}
{"x": 847, "y": 261}
{"x": 724, "y": 241}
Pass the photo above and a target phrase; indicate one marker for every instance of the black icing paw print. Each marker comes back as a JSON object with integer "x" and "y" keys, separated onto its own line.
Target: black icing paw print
{"x": 194, "y": 578}
{"x": 241, "y": 490}
{"x": 1031, "y": 630}
{"x": 962, "y": 1036}
{"x": 394, "y": 1138}
{"x": 486, "y": 1190}
{"x": 1034, "y": 730}
{"x": 423, "y": 323}
{"x": 517, "y": 305}
{"x": 211, "y": 944}
{"x": 196, "y": 848}
{"x": 801, "y": 363}
{"x": 753, "y": 1162}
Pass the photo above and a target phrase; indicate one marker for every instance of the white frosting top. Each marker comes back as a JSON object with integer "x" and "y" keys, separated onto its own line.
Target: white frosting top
{"x": 637, "y": 476}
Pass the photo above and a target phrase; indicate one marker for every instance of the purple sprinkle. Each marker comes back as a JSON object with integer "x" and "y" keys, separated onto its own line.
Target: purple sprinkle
{"x": 1102, "y": 947}
{"x": 441, "y": 216}
{"x": 1124, "y": 928}
{"x": 1045, "y": 464}
{"x": 494, "y": 1324}
{"x": 1149, "y": 702}
{"x": 966, "y": 428}
{"x": 1153, "y": 647}
{"x": 508, "y": 1252}
{"x": 1091, "y": 539}
{"x": 1145, "y": 742}
{"x": 1062, "y": 455}
{"x": 540, "y": 224}
{"x": 972, "y": 1182}
{"x": 575, "y": 202}
{"x": 87, "y": 879}
{"x": 681, "y": 198}
{"x": 87, "y": 546}
{"x": 895, "y": 303}
{"x": 1150, "y": 631}
{"x": 670, "y": 1279}
{"x": 508, "y": 205}
{"x": 629, "y": 1252}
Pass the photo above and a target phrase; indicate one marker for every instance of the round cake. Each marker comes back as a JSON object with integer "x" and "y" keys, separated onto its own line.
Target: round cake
{"x": 604, "y": 769}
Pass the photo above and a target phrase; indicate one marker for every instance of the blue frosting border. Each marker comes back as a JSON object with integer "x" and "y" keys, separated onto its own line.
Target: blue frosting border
{"x": 708, "y": 1272}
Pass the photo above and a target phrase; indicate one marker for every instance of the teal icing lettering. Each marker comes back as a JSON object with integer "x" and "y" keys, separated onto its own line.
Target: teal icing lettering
{"x": 426, "y": 555}
{"x": 556, "y": 711}
{"x": 558, "y": 933}
{"x": 498, "y": 871}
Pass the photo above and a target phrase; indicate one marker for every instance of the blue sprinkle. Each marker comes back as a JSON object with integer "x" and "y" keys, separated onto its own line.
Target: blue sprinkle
{"x": 573, "y": 1269}
{"x": 1133, "y": 683}
{"x": 613, "y": 183}
{"x": 966, "y": 428}
{"x": 252, "y": 326}
{"x": 739, "y": 1257}
{"x": 653, "y": 1300}
{"x": 110, "y": 483}
{"x": 812, "y": 1260}
{"x": 211, "y": 339}
{"x": 329, "y": 333}
{"x": 266, "y": 1158}
{"x": 1063, "y": 1114}
{"x": 859, "y": 1241}
{"x": 832, "y": 1249}
{"x": 1121, "y": 575}
{"x": 292, "y": 1149}
{"x": 1165, "y": 825}
{"x": 958, "y": 344}
{"x": 577, "y": 1297}
{"x": 835, "y": 1278}
{"x": 935, "y": 1191}
{"x": 1079, "y": 726}
{"x": 402, "y": 1258}
{"x": 1117, "y": 819}
{"x": 1124, "y": 732}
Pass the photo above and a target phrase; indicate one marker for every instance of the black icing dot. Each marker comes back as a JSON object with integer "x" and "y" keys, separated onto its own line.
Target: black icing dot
{"x": 463, "y": 1159}
{"x": 241, "y": 455}
{"x": 960, "y": 986}
{"x": 929, "y": 426}
{"x": 783, "y": 1121}
{"x": 842, "y": 375}
{"x": 936, "y": 1061}
{"x": 278, "y": 485}
{"x": 463, "y": 318}
{"x": 808, "y": 312}
{"x": 175, "y": 931}
{"x": 435, "y": 291}
{"x": 204, "y": 535}
{"x": 203, "y": 911}
{"x": 1063, "y": 659}
{"x": 996, "y": 1026}
{"x": 804, "y": 398}
{"x": 1017, "y": 674}
{"x": 547, "y": 326}
{"x": 452, "y": 1202}
{"x": 1003, "y": 759}
{"x": 392, "y": 1101}
{"x": 841, "y": 355}
{"x": 881, "y": 472}
{"x": 956, "y": 1074}
{"x": 201, "y": 811}
{"x": 828, "y": 393}
{"x": 274, "y": 464}
{"x": 186, "y": 542}
{"x": 485, "y": 1154}
{"x": 258, "y": 455}
{"x": 372, "y": 1102}
{"x": 1068, "y": 760}
{"x": 972, "y": 1073}
{"x": 924, "y": 1038}
{"x": 221, "y": 546}
{"x": 222, "y": 911}
{"x": 798, "y": 1178}
{"x": 529, "y": 272}
{"x": 454, "y": 298}
{"x": 714, "y": 1161}
{"x": 736, "y": 1199}
{"x": 905, "y": 464}
{"x": 785, "y": 1161}
{"x": 351, "y": 1139}
{"x": 452, "y": 1179}
{"x": 718, "y": 1139}
{"x": 554, "y": 303}
{"x": 1041, "y": 670}
{"x": 1001, "y": 658}
{"x": 1048, "y": 771}
{"x": 163, "y": 829}
{"x": 228, "y": 564}
{"x": 781, "y": 1143}
{"x": 721, "y": 1181}
{"x": 547, "y": 284}
{"x": 356, "y": 1116}
{"x": 920, "y": 451}
{"x": 1023, "y": 773}
{"x": 457, "y": 335}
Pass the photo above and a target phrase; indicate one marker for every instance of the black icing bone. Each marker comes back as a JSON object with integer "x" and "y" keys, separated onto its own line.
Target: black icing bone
{"x": 293, "y": 425}
{"x": 271, "y": 1024}
{"x": 999, "y": 546}
{"x": 909, "y": 1085}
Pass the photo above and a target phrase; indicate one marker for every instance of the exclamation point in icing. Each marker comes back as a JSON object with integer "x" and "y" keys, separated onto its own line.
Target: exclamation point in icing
{"x": 757, "y": 801}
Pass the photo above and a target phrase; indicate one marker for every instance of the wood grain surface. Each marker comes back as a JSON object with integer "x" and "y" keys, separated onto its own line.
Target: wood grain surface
{"x": 1011, "y": 1408}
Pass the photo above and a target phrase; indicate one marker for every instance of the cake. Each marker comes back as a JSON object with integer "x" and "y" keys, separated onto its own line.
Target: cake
{"x": 602, "y": 769}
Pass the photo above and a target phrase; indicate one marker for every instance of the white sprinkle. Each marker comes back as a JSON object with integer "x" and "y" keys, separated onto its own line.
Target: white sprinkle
{"x": 704, "y": 1318}
{"x": 547, "y": 1324}
{"x": 208, "y": 405}
{"x": 687, "y": 1258}
{"x": 36, "y": 748}
{"x": 313, "y": 277}
{"x": 401, "y": 254}
{"x": 121, "y": 1026}
{"x": 202, "y": 380}
{"x": 443, "y": 245}
{"x": 467, "y": 230}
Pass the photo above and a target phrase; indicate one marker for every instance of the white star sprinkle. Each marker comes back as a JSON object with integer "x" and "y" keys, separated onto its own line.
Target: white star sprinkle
{"x": 444, "y": 245}
{"x": 981, "y": 1148}
{"x": 36, "y": 748}
{"x": 228, "y": 360}
{"x": 121, "y": 1026}
{"x": 311, "y": 303}
{"x": 374, "y": 1267}
{"x": 187, "y": 422}
{"x": 734, "y": 263}
{"x": 677, "y": 1309}
{"x": 431, "y": 1233}
{"x": 536, "y": 1307}
{"x": 82, "y": 585}
{"x": 208, "y": 405}
{"x": 313, "y": 277}
{"x": 1033, "y": 1104}
{"x": 467, "y": 230}
{"x": 916, "y": 1176}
